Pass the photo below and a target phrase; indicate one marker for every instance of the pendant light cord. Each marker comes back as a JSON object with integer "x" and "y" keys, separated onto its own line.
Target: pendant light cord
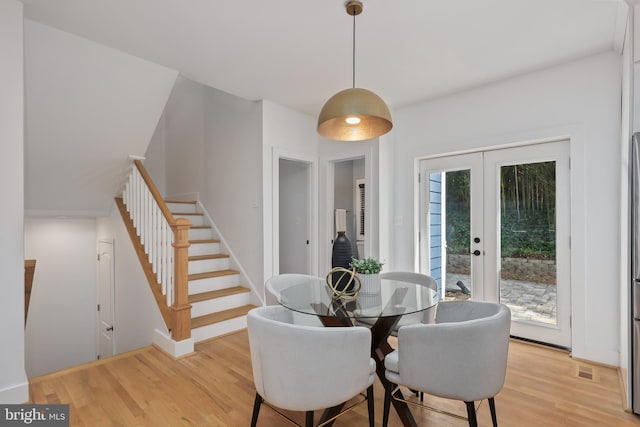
{"x": 353, "y": 54}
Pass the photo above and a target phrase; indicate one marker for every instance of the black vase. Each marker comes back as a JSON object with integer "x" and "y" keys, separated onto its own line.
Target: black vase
{"x": 341, "y": 257}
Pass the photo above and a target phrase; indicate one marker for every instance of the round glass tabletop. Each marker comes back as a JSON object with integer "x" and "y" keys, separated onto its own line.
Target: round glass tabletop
{"x": 314, "y": 296}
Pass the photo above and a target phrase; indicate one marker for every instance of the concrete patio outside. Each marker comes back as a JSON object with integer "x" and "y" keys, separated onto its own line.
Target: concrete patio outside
{"x": 527, "y": 300}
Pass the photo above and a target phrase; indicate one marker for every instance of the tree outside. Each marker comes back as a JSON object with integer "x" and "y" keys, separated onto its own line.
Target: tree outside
{"x": 527, "y": 217}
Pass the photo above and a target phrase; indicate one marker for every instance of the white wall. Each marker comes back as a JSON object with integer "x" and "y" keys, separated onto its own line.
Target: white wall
{"x": 87, "y": 108}
{"x": 385, "y": 203}
{"x": 61, "y": 327}
{"x": 625, "y": 244}
{"x": 213, "y": 147}
{"x": 136, "y": 313}
{"x": 13, "y": 381}
{"x": 184, "y": 130}
{"x": 233, "y": 193}
{"x": 286, "y": 134}
{"x": 155, "y": 157}
{"x": 580, "y": 100}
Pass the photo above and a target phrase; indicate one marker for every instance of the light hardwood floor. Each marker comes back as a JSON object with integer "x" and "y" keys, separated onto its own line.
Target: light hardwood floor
{"x": 214, "y": 387}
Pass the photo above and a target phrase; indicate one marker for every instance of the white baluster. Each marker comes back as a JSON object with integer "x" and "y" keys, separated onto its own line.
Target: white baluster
{"x": 153, "y": 229}
{"x": 147, "y": 222}
{"x": 144, "y": 222}
{"x": 141, "y": 202}
{"x": 136, "y": 218}
{"x": 170, "y": 281}
{"x": 133, "y": 198}
{"x": 154, "y": 239}
{"x": 132, "y": 193}
{"x": 124, "y": 196}
{"x": 165, "y": 255}
{"x": 163, "y": 262}
{"x": 143, "y": 210}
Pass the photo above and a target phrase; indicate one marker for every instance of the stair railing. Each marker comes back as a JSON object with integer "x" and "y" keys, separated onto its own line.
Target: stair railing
{"x": 166, "y": 243}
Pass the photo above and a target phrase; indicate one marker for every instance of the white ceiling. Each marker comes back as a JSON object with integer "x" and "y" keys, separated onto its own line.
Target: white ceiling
{"x": 297, "y": 53}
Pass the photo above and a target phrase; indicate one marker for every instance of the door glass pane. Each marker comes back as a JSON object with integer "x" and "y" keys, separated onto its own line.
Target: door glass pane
{"x": 528, "y": 241}
{"x": 450, "y": 219}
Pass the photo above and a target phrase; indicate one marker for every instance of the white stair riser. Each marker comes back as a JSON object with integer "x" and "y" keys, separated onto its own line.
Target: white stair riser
{"x": 213, "y": 283}
{"x": 200, "y": 233}
{"x": 204, "y": 249}
{"x": 202, "y": 266}
{"x": 220, "y": 304}
{"x": 182, "y": 207}
{"x": 221, "y": 328}
{"x": 195, "y": 220}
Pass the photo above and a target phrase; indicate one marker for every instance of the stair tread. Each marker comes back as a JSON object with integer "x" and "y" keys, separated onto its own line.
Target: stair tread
{"x": 190, "y": 202}
{"x": 187, "y": 213}
{"x": 203, "y": 296}
{"x": 210, "y": 256}
{"x": 220, "y": 316}
{"x": 209, "y": 274}
{"x": 200, "y": 226}
{"x": 195, "y": 242}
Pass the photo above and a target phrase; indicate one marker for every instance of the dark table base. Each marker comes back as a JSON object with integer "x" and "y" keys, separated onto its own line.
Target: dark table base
{"x": 380, "y": 331}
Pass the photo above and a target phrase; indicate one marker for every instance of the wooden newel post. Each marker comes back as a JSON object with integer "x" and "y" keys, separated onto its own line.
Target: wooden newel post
{"x": 181, "y": 309}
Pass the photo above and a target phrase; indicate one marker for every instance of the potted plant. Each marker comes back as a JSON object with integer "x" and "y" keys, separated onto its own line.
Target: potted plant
{"x": 368, "y": 270}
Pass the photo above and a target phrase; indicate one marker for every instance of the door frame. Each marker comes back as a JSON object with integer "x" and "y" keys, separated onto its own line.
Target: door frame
{"x": 296, "y": 253}
{"x": 312, "y": 207}
{"x": 371, "y": 218}
{"x": 574, "y": 133}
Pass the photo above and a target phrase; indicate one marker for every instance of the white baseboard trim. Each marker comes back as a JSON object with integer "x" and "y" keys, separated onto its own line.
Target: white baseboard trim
{"x": 596, "y": 355}
{"x": 173, "y": 348}
{"x": 15, "y": 394}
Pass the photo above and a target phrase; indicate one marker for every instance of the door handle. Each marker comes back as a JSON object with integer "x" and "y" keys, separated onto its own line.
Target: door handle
{"x": 110, "y": 328}
{"x": 476, "y": 252}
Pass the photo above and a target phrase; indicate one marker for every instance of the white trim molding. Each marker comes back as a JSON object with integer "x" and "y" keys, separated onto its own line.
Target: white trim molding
{"x": 173, "y": 348}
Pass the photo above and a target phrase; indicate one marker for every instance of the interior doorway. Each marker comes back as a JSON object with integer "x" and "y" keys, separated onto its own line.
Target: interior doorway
{"x": 294, "y": 217}
{"x": 496, "y": 227}
{"x": 350, "y": 202}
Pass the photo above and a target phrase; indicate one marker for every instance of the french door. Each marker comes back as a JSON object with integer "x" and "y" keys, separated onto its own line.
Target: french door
{"x": 494, "y": 226}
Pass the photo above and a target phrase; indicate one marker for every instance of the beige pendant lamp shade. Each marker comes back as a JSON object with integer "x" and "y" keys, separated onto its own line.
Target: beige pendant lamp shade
{"x": 354, "y": 114}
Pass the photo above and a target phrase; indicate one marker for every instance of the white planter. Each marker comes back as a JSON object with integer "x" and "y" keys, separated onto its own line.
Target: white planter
{"x": 370, "y": 283}
{"x": 370, "y": 301}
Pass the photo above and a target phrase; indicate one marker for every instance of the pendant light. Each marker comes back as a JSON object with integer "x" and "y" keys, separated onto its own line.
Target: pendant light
{"x": 354, "y": 114}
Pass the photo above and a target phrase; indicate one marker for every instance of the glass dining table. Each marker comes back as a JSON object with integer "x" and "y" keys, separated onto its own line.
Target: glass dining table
{"x": 380, "y": 311}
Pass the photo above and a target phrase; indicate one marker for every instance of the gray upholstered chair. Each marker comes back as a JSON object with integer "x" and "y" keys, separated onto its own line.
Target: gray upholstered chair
{"x": 284, "y": 281}
{"x": 307, "y": 368}
{"x": 426, "y": 316}
{"x": 463, "y": 356}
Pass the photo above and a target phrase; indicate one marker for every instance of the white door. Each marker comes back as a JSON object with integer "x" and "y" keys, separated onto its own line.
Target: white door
{"x": 294, "y": 222}
{"x": 106, "y": 292}
{"x": 497, "y": 226}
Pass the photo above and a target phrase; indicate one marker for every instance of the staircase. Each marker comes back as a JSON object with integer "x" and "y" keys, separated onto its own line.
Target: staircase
{"x": 219, "y": 303}
{"x": 193, "y": 281}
